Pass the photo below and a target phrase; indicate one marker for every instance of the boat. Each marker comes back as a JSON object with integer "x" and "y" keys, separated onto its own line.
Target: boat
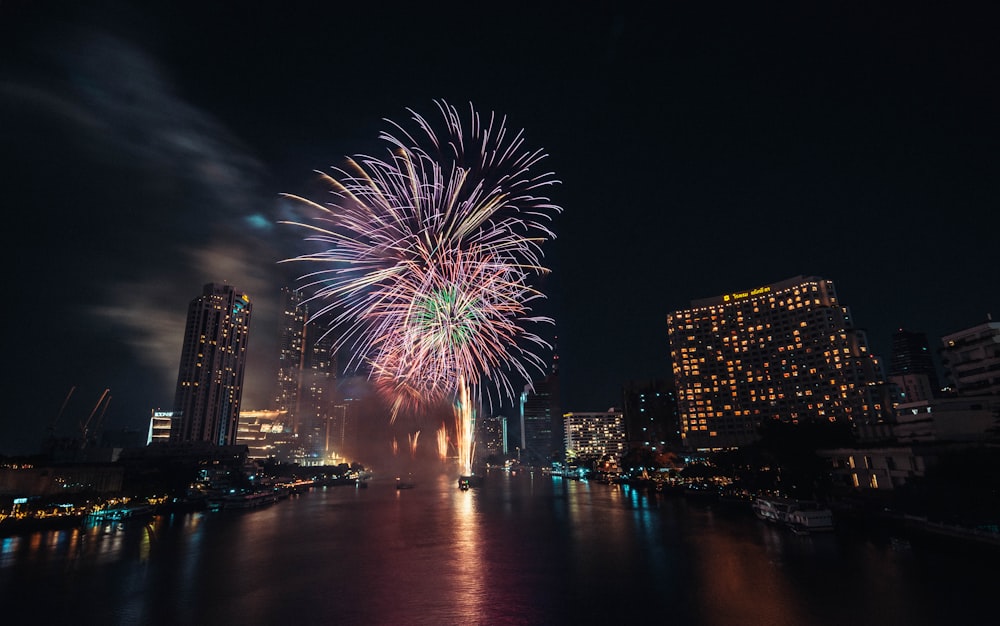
{"x": 119, "y": 513}
{"x": 467, "y": 481}
{"x": 248, "y": 500}
{"x": 801, "y": 516}
{"x": 403, "y": 484}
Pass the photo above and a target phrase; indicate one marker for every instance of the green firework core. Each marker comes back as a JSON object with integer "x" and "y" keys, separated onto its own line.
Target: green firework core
{"x": 444, "y": 317}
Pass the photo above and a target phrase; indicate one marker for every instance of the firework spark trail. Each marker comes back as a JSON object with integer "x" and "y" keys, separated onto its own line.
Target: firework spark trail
{"x": 426, "y": 258}
{"x": 442, "y": 442}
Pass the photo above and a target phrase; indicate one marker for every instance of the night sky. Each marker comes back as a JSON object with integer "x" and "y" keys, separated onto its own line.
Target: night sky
{"x": 702, "y": 148}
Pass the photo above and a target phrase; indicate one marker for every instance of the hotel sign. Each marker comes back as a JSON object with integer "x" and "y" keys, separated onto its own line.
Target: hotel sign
{"x": 745, "y": 294}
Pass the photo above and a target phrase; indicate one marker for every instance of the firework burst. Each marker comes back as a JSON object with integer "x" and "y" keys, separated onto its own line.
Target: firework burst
{"x": 425, "y": 259}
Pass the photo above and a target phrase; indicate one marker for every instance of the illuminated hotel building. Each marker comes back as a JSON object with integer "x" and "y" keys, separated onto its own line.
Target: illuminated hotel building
{"x": 786, "y": 351}
{"x": 213, "y": 361}
{"x": 594, "y": 435}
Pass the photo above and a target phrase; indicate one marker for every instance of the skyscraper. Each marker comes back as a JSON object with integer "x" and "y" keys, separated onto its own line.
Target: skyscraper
{"x": 306, "y": 376}
{"x": 213, "y": 361}
{"x": 291, "y": 351}
{"x": 541, "y": 419}
{"x": 911, "y": 366}
{"x": 786, "y": 351}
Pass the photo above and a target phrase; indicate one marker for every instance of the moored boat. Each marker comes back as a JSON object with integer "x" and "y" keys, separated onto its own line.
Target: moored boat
{"x": 800, "y": 515}
{"x": 467, "y": 481}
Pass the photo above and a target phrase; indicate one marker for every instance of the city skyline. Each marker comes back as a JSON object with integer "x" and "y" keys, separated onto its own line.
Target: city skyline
{"x": 700, "y": 152}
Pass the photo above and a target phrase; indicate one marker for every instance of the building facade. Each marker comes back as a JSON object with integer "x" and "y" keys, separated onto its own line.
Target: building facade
{"x": 591, "y": 436}
{"x": 291, "y": 351}
{"x": 786, "y": 351}
{"x": 651, "y": 420}
{"x": 911, "y": 367}
{"x": 971, "y": 360}
{"x": 307, "y": 377}
{"x": 539, "y": 408}
{"x": 213, "y": 362}
{"x": 491, "y": 441}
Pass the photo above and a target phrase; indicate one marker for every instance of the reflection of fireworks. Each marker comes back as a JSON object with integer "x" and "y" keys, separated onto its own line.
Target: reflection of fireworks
{"x": 426, "y": 260}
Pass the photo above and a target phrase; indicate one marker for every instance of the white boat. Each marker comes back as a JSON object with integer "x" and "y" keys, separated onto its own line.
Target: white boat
{"x": 800, "y": 515}
{"x": 249, "y": 500}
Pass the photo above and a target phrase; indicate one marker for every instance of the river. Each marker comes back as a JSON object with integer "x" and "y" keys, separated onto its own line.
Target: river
{"x": 524, "y": 548}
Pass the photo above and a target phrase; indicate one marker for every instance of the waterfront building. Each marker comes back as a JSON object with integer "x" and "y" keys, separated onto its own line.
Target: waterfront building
{"x": 319, "y": 382}
{"x": 213, "y": 362}
{"x": 971, "y": 418}
{"x": 651, "y": 419}
{"x": 291, "y": 351}
{"x": 61, "y": 479}
{"x": 593, "y": 435}
{"x": 911, "y": 367}
{"x": 786, "y": 351}
{"x": 878, "y": 469}
{"x": 267, "y": 434}
{"x": 307, "y": 375}
{"x": 971, "y": 360}
{"x": 341, "y": 432}
{"x": 540, "y": 420}
{"x": 161, "y": 424}
{"x": 492, "y": 437}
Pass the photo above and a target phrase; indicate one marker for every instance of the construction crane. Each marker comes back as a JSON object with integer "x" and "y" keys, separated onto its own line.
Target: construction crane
{"x": 105, "y": 400}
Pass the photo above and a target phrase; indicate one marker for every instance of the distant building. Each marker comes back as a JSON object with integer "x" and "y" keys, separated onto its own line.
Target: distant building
{"x": 541, "y": 422}
{"x": 911, "y": 367}
{"x": 879, "y": 469}
{"x": 291, "y": 351}
{"x": 492, "y": 437}
{"x": 267, "y": 435}
{"x": 594, "y": 435}
{"x": 343, "y": 438}
{"x": 787, "y": 351}
{"x": 650, "y": 410}
{"x": 161, "y": 424}
{"x": 307, "y": 375}
{"x": 213, "y": 361}
{"x": 971, "y": 418}
{"x": 971, "y": 359}
{"x": 539, "y": 410}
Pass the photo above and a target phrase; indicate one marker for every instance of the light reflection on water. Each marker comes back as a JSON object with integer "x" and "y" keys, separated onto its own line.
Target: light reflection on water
{"x": 522, "y": 549}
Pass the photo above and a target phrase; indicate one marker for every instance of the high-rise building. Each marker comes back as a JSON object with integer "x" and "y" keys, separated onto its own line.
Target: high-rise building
{"x": 318, "y": 390}
{"x": 911, "y": 367}
{"x": 541, "y": 437}
{"x": 787, "y": 351}
{"x": 491, "y": 440}
{"x": 971, "y": 359}
{"x": 538, "y": 409}
{"x": 590, "y": 436}
{"x": 291, "y": 351}
{"x": 306, "y": 376}
{"x": 213, "y": 361}
{"x": 541, "y": 420}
